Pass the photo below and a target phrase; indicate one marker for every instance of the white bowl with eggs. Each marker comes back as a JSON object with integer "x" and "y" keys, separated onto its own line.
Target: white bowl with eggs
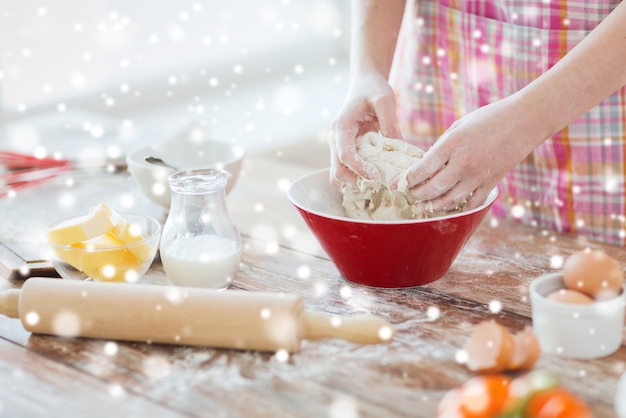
{"x": 193, "y": 149}
{"x": 579, "y": 312}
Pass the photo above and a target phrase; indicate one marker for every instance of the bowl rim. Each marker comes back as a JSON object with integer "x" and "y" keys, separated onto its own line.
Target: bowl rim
{"x": 136, "y": 155}
{"x": 493, "y": 194}
{"x": 125, "y": 215}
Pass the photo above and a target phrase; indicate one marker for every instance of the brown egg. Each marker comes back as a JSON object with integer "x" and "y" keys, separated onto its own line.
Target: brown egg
{"x": 593, "y": 273}
{"x": 492, "y": 348}
{"x": 526, "y": 350}
{"x": 489, "y": 349}
{"x": 570, "y": 296}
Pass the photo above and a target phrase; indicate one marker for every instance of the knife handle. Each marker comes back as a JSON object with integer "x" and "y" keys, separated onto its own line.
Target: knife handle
{"x": 360, "y": 328}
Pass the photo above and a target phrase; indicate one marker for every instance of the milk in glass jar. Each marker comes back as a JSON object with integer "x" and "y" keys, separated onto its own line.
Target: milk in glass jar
{"x": 200, "y": 245}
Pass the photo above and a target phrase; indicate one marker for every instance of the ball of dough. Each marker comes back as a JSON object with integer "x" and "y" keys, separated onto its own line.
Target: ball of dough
{"x": 375, "y": 199}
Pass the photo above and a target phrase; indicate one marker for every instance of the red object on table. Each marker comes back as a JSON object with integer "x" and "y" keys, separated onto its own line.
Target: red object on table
{"x": 27, "y": 170}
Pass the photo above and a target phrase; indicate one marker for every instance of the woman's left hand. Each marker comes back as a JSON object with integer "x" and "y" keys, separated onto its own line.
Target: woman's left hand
{"x": 473, "y": 155}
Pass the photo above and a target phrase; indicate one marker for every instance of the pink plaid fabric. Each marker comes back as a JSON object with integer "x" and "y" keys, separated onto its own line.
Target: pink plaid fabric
{"x": 455, "y": 56}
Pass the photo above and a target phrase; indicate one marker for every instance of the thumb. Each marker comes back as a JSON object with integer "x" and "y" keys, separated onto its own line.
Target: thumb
{"x": 387, "y": 118}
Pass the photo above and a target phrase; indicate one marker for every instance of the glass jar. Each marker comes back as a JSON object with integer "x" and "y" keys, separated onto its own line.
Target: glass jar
{"x": 200, "y": 245}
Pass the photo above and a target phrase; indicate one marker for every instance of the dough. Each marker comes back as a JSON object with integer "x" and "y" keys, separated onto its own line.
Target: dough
{"x": 375, "y": 200}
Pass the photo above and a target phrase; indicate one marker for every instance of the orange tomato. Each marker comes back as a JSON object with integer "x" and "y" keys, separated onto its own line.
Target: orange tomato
{"x": 484, "y": 396}
{"x": 480, "y": 397}
{"x": 556, "y": 403}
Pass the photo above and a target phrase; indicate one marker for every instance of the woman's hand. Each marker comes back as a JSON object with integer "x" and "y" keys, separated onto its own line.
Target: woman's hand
{"x": 370, "y": 102}
{"x": 479, "y": 149}
{"x": 473, "y": 155}
{"x": 369, "y": 106}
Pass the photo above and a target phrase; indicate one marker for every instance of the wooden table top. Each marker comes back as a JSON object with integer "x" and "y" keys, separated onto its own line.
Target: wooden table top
{"x": 49, "y": 376}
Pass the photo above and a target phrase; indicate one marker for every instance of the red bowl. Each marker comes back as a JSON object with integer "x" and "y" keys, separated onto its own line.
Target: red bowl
{"x": 389, "y": 254}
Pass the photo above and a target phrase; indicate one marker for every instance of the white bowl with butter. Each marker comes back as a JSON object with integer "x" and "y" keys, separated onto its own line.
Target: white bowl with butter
{"x": 103, "y": 245}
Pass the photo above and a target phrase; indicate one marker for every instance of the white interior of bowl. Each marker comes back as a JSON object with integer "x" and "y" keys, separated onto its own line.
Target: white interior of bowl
{"x": 187, "y": 154}
{"x": 314, "y": 193}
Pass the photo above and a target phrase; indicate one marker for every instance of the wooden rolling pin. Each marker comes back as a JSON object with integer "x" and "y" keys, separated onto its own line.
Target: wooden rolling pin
{"x": 177, "y": 315}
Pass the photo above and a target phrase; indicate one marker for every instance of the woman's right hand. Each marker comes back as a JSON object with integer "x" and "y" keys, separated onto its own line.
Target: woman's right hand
{"x": 370, "y": 105}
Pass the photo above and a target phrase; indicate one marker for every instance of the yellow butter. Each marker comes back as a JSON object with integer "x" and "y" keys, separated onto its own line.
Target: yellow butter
{"x": 93, "y": 252}
{"x": 84, "y": 228}
{"x": 99, "y": 259}
{"x": 121, "y": 267}
{"x": 96, "y": 236}
{"x": 100, "y": 251}
{"x": 71, "y": 257}
{"x": 129, "y": 233}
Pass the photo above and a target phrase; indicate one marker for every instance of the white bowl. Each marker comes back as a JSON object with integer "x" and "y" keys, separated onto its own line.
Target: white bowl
{"x": 575, "y": 330}
{"x": 185, "y": 152}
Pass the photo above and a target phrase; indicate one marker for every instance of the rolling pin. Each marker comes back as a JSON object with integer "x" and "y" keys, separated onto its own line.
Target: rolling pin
{"x": 180, "y": 315}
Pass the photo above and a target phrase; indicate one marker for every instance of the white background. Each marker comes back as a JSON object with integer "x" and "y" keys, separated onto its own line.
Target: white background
{"x": 258, "y": 73}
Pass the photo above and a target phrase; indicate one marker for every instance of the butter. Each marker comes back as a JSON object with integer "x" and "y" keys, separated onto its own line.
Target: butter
{"x": 99, "y": 259}
{"x": 84, "y": 228}
{"x": 97, "y": 237}
{"x": 128, "y": 233}
{"x": 113, "y": 264}
{"x": 125, "y": 271}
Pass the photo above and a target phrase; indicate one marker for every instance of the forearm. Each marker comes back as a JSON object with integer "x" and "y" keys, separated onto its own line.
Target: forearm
{"x": 375, "y": 27}
{"x": 590, "y": 72}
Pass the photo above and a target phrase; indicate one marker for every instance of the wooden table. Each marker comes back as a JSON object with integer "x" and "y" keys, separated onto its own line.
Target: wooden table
{"x": 49, "y": 376}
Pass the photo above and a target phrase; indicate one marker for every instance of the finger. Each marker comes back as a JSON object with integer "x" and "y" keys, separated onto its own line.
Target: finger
{"x": 425, "y": 168}
{"x": 348, "y": 156}
{"x": 330, "y": 140}
{"x": 341, "y": 175}
{"x": 435, "y": 185}
{"x": 472, "y": 201}
{"x": 478, "y": 198}
{"x": 342, "y": 141}
{"x": 385, "y": 109}
{"x": 459, "y": 197}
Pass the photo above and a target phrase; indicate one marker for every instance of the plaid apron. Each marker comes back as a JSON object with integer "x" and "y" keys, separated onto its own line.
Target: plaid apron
{"x": 455, "y": 56}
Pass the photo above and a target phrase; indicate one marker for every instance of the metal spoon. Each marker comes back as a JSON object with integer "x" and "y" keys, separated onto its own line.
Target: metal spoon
{"x": 158, "y": 161}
